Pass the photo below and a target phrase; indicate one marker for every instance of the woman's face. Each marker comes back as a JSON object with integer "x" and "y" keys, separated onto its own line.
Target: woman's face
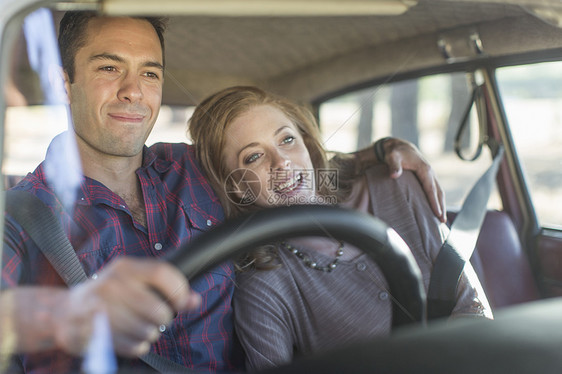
{"x": 267, "y": 160}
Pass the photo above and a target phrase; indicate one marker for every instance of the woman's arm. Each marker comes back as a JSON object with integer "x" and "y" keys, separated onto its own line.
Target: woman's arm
{"x": 401, "y": 203}
{"x": 471, "y": 299}
{"x": 402, "y": 155}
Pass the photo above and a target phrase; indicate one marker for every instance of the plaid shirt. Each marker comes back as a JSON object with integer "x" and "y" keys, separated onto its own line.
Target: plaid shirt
{"x": 180, "y": 204}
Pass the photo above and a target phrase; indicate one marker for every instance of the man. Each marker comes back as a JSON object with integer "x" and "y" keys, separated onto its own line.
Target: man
{"x": 133, "y": 201}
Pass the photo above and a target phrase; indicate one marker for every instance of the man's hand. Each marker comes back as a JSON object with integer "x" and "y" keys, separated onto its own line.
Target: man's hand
{"x": 399, "y": 155}
{"x": 137, "y": 295}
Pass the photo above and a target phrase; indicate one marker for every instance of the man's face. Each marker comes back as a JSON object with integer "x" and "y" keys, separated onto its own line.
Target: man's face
{"x": 117, "y": 88}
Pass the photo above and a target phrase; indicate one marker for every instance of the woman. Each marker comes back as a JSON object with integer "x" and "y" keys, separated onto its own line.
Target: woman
{"x": 306, "y": 295}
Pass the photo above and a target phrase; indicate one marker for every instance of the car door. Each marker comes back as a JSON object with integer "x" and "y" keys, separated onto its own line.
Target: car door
{"x": 522, "y": 235}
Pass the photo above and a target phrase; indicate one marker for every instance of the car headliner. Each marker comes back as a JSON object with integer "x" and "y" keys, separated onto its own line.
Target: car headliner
{"x": 311, "y": 49}
{"x": 310, "y": 56}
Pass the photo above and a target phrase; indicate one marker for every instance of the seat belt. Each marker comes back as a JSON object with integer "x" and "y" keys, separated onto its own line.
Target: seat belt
{"x": 461, "y": 241}
{"x": 44, "y": 228}
{"x": 49, "y": 236}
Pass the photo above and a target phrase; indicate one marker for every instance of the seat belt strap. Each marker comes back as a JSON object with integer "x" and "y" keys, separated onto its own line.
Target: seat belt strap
{"x": 459, "y": 245}
{"x": 28, "y": 210}
{"x": 461, "y": 242}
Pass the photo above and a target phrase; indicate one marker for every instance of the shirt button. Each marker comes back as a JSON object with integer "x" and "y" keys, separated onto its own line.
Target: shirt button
{"x": 162, "y": 328}
{"x": 383, "y": 295}
{"x": 94, "y": 276}
{"x": 122, "y": 206}
{"x": 158, "y": 246}
{"x": 361, "y": 266}
{"x": 209, "y": 223}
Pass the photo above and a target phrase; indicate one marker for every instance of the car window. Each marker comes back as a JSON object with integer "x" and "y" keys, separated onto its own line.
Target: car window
{"x": 30, "y": 129}
{"x": 427, "y": 112}
{"x": 532, "y": 97}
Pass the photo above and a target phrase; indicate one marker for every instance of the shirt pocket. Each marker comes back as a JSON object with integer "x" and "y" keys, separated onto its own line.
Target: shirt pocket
{"x": 204, "y": 216}
{"x": 94, "y": 259}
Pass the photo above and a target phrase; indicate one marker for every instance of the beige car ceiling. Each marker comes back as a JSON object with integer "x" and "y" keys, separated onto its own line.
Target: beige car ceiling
{"x": 211, "y": 46}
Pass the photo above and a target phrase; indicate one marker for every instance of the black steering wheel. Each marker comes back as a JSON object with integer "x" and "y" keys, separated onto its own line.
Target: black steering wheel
{"x": 390, "y": 252}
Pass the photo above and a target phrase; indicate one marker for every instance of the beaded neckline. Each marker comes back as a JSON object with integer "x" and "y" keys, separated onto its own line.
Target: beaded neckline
{"x": 310, "y": 262}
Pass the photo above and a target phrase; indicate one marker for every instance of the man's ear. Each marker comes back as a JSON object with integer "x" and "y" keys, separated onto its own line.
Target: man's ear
{"x": 66, "y": 84}
{"x": 58, "y": 79}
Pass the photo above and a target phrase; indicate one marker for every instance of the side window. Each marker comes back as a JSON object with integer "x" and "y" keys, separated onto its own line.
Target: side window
{"x": 532, "y": 97}
{"x": 426, "y": 112}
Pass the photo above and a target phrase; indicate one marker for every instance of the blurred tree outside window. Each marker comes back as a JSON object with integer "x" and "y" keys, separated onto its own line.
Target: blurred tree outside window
{"x": 532, "y": 97}
{"x": 426, "y": 112}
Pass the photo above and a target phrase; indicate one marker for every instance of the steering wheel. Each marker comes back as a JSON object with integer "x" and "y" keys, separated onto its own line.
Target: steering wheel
{"x": 389, "y": 251}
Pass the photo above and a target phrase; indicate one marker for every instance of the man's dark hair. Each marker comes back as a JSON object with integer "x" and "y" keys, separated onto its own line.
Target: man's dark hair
{"x": 72, "y": 36}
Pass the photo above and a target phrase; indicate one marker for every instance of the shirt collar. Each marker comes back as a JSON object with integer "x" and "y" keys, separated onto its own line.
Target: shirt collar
{"x": 150, "y": 158}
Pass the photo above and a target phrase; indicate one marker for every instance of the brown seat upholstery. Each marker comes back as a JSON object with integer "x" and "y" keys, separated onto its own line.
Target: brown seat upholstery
{"x": 501, "y": 263}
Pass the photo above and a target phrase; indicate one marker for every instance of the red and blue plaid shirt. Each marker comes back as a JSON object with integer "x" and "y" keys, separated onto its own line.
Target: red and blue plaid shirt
{"x": 180, "y": 204}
